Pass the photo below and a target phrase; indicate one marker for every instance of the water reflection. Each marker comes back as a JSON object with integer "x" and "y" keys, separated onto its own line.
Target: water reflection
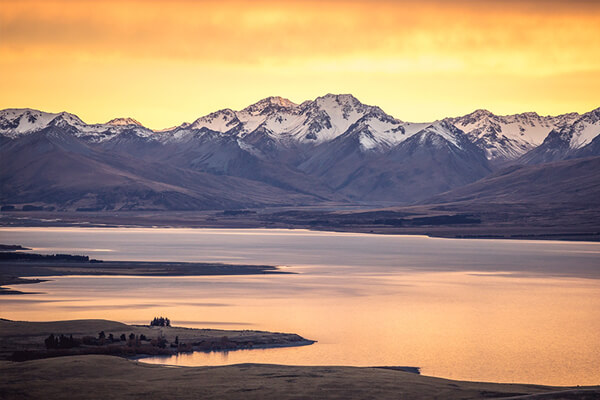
{"x": 479, "y": 310}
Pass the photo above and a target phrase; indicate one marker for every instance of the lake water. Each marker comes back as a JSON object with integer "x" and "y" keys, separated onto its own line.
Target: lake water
{"x": 487, "y": 310}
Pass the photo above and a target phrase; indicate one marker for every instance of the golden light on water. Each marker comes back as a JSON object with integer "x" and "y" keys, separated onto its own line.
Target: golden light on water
{"x": 167, "y": 62}
{"x": 460, "y": 325}
{"x": 485, "y": 310}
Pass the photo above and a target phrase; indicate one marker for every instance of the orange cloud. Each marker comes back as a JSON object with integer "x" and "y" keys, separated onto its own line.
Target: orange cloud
{"x": 92, "y": 57}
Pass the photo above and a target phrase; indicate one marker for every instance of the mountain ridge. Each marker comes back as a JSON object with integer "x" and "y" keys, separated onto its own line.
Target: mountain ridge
{"x": 502, "y": 138}
{"x": 331, "y": 149}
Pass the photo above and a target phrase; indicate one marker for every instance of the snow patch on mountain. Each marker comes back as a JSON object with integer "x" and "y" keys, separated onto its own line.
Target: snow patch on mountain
{"x": 510, "y": 136}
{"x": 443, "y": 130}
{"x": 276, "y": 122}
{"x": 18, "y": 121}
{"x": 219, "y": 121}
{"x": 274, "y": 114}
{"x": 585, "y": 129}
{"x": 379, "y": 132}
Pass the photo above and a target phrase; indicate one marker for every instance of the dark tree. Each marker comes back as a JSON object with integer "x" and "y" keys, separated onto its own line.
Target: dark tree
{"x": 160, "y": 321}
{"x": 101, "y": 335}
{"x": 50, "y": 342}
{"x": 123, "y": 337}
{"x": 61, "y": 342}
{"x": 132, "y": 340}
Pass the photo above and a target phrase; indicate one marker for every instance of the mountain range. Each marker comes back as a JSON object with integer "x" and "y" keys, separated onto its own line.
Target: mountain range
{"x": 331, "y": 150}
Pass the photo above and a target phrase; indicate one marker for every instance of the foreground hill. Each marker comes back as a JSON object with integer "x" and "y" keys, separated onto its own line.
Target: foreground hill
{"x": 101, "y": 377}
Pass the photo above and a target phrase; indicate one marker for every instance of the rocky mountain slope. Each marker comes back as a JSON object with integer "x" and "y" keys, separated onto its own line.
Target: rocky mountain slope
{"x": 272, "y": 153}
{"x": 569, "y": 182}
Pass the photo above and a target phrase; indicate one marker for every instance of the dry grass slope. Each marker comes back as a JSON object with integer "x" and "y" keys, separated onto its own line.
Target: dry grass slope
{"x": 102, "y": 377}
{"x": 29, "y": 336}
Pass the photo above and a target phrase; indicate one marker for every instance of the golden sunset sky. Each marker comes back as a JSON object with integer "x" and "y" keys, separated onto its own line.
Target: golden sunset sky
{"x": 166, "y": 62}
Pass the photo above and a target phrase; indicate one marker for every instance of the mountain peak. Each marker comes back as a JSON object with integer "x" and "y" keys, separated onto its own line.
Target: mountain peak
{"x": 276, "y": 102}
{"x": 481, "y": 113}
{"x": 345, "y": 98}
{"x": 123, "y": 122}
{"x": 529, "y": 114}
{"x": 15, "y": 121}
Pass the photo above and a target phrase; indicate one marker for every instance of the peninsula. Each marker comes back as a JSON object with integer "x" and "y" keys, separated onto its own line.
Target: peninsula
{"x": 100, "y": 376}
{"x": 15, "y": 266}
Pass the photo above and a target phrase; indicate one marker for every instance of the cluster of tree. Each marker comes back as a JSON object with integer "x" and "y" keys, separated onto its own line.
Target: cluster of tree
{"x": 132, "y": 340}
{"x": 160, "y": 321}
{"x": 159, "y": 342}
{"x": 136, "y": 341}
{"x": 103, "y": 339}
{"x": 61, "y": 342}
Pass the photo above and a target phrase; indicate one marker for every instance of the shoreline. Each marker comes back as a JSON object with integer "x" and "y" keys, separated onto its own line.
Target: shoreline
{"x": 22, "y": 336}
{"x": 24, "y": 341}
{"x": 10, "y": 281}
{"x": 300, "y": 343}
{"x": 517, "y": 222}
{"x": 13, "y": 273}
{"x": 578, "y": 237}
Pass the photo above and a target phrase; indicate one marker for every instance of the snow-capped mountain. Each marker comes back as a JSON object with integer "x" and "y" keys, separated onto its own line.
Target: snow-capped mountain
{"x": 282, "y": 123}
{"x": 585, "y": 129}
{"x": 577, "y": 139}
{"x": 289, "y": 124}
{"x": 425, "y": 161}
{"x": 509, "y": 137}
{"x": 124, "y": 122}
{"x": 18, "y": 122}
{"x": 331, "y": 148}
{"x": 276, "y": 123}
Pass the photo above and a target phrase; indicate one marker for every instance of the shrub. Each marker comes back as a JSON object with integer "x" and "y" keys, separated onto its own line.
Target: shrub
{"x": 160, "y": 321}
{"x": 90, "y": 341}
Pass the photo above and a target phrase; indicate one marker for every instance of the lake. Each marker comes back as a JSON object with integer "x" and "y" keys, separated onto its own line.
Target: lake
{"x": 486, "y": 310}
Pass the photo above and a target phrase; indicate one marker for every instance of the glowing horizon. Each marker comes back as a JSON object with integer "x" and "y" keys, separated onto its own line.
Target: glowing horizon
{"x": 164, "y": 63}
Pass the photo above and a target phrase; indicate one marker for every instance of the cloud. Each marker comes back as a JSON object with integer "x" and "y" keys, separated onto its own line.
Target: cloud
{"x": 167, "y": 62}
{"x": 468, "y": 34}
